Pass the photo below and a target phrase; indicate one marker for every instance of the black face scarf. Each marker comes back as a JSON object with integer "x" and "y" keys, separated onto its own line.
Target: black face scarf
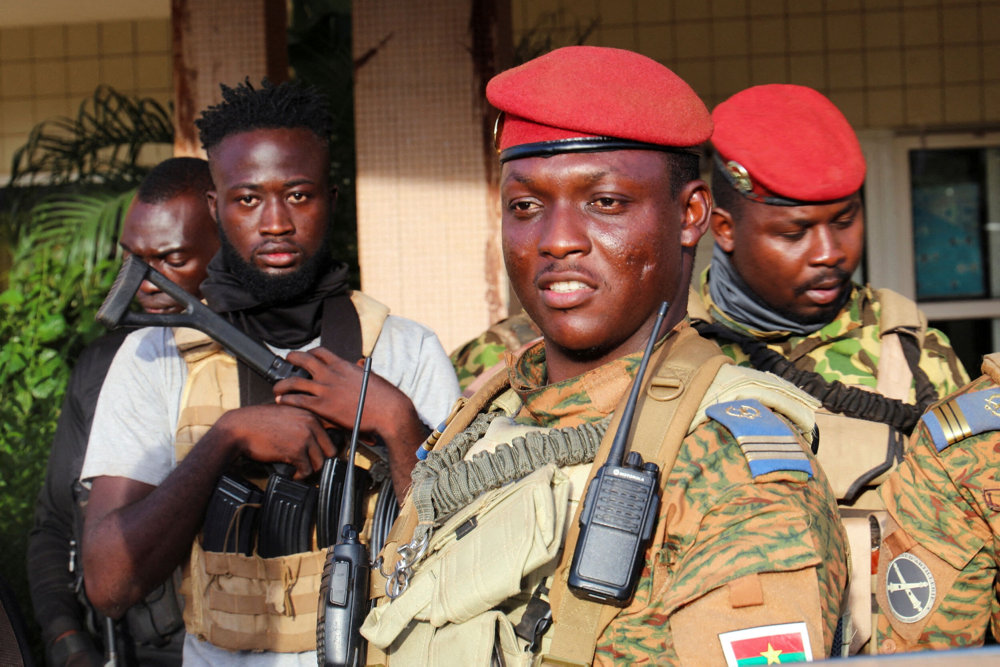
{"x": 285, "y": 312}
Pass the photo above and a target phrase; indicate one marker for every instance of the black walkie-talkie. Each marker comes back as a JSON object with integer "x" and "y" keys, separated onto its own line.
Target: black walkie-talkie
{"x": 343, "y": 598}
{"x": 619, "y": 511}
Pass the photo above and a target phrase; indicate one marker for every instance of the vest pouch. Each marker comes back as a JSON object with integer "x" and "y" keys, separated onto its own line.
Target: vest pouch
{"x": 489, "y": 546}
{"x": 158, "y": 616}
{"x": 487, "y": 639}
{"x": 241, "y": 603}
{"x": 856, "y": 454}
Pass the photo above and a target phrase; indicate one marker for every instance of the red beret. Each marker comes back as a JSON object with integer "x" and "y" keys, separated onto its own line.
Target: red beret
{"x": 787, "y": 145}
{"x": 581, "y": 98}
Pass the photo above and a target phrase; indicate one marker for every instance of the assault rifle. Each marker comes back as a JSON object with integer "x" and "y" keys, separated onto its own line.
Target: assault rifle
{"x": 288, "y": 508}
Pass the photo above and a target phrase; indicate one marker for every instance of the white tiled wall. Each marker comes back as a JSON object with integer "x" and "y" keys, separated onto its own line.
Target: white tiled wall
{"x": 901, "y": 64}
{"x": 48, "y": 70}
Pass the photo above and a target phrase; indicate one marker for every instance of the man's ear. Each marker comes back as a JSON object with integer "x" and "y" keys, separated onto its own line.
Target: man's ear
{"x": 210, "y": 200}
{"x": 697, "y": 200}
{"x": 333, "y": 197}
{"x": 722, "y": 228}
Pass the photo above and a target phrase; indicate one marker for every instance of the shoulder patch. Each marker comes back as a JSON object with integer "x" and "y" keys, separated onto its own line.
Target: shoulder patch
{"x": 767, "y": 644}
{"x": 963, "y": 416}
{"x": 910, "y": 588}
{"x": 768, "y": 443}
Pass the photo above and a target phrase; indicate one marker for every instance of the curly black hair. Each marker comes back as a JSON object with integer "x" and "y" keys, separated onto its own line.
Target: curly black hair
{"x": 174, "y": 177}
{"x": 245, "y": 108}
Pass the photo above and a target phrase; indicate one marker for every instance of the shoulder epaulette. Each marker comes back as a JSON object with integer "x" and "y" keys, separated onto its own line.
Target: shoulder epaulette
{"x": 768, "y": 443}
{"x": 963, "y": 416}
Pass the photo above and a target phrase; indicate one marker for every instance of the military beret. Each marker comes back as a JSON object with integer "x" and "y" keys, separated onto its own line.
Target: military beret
{"x": 787, "y": 145}
{"x": 590, "y": 98}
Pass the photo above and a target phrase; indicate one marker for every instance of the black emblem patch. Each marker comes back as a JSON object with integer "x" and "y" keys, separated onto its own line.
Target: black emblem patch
{"x": 909, "y": 586}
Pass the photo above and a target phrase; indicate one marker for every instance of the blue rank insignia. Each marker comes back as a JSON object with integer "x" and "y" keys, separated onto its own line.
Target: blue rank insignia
{"x": 768, "y": 443}
{"x": 963, "y": 416}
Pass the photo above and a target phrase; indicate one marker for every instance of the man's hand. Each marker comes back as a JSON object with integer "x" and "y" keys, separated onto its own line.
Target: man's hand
{"x": 277, "y": 434}
{"x": 334, "y": 389}
{"x": 332, "y": 394}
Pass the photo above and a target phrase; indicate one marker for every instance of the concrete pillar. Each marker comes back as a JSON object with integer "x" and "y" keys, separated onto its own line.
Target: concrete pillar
{"x": 428, "y": 213}
{"x": 221, "y": 41}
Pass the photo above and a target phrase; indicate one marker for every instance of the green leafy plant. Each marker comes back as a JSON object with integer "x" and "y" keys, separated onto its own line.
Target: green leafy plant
{"x": 48, "y": 316}
{"x": 70, "y": 187}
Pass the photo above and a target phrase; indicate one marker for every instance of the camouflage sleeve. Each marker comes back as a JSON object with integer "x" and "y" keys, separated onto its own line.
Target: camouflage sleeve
{"x": 486, "y": 351}
{"x": 477, "y": 355}
{"x": 732, "y": 552}
{"x": 936, "y": 571}
{"x": 942, "y": 365}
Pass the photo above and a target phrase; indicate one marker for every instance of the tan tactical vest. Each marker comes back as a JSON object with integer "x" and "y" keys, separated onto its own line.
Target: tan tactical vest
{"x": 233, "y": 601}
{"x": 461, "y": 624}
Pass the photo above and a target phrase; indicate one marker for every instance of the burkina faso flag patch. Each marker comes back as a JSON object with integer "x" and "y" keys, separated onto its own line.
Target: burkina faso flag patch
{"x": 767, "y": 645}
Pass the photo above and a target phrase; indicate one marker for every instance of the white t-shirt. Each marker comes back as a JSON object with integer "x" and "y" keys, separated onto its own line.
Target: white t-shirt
{"x": 137, "y": 412}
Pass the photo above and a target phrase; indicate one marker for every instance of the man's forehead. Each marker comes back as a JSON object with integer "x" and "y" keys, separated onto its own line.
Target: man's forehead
{"x": 587, "y": 165}
{"x": 805, "y": 214}
{"x": 167, "y": 222}
{"x": 296, "y": 153}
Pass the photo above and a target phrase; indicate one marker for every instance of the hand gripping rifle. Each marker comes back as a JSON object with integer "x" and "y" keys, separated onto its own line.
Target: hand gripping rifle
{"x": 288, "y": 506}
{"x": 343, "y": 596}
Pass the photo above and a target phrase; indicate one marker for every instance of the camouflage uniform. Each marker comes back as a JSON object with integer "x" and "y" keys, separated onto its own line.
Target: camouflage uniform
{"x": 721, "y": 532}
{"x": 487, "y": 350}
{"x": 847, "y": 349}
{"x": 945, "y": 498}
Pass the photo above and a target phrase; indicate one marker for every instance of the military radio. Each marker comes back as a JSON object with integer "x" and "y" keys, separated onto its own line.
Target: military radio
{"x": 343, "y": 593}
{"x": 619, "y": 510}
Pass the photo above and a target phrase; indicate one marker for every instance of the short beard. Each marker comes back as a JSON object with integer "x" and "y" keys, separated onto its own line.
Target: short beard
{"x": 274, "y": 289}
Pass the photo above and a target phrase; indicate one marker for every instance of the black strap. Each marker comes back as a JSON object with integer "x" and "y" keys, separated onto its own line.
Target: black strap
{"x": 340, "y": 332}
{"x": 926, "y": 393}
{"x": 834, "y": 395}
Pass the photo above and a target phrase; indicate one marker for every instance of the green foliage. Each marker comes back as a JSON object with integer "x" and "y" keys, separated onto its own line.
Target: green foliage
{"x": 102, "y": 145}
{"x": 58, "y": 281}
{"x": 62, "y": 211}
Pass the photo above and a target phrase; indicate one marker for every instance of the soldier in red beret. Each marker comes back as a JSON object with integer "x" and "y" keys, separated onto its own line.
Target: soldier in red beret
{"x": 789, "y": 233}
{"x": 527, "y": 533}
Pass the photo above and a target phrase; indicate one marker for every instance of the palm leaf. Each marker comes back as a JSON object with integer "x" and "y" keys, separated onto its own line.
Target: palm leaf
{"x": 77, "y": 228}
{"x": 101, "y": 145}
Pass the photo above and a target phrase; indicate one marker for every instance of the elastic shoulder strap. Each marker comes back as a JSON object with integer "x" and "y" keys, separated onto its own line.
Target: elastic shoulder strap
{"x": 462, "y": 414}
{"x": 900, "y": 315}
{"x": 684, "y": 370}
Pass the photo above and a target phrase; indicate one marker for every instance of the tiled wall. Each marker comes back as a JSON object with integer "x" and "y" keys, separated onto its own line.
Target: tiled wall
{"x": 49, "y": 70}
{"x": 886, "y": 63}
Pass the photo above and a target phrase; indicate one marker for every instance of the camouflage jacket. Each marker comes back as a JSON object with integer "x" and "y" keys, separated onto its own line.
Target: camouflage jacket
{"x": 731, "y": 550}
{"x": 937, "y": 573}
{"x": 486, "y": 350}
{"x": 848, "y": 348}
